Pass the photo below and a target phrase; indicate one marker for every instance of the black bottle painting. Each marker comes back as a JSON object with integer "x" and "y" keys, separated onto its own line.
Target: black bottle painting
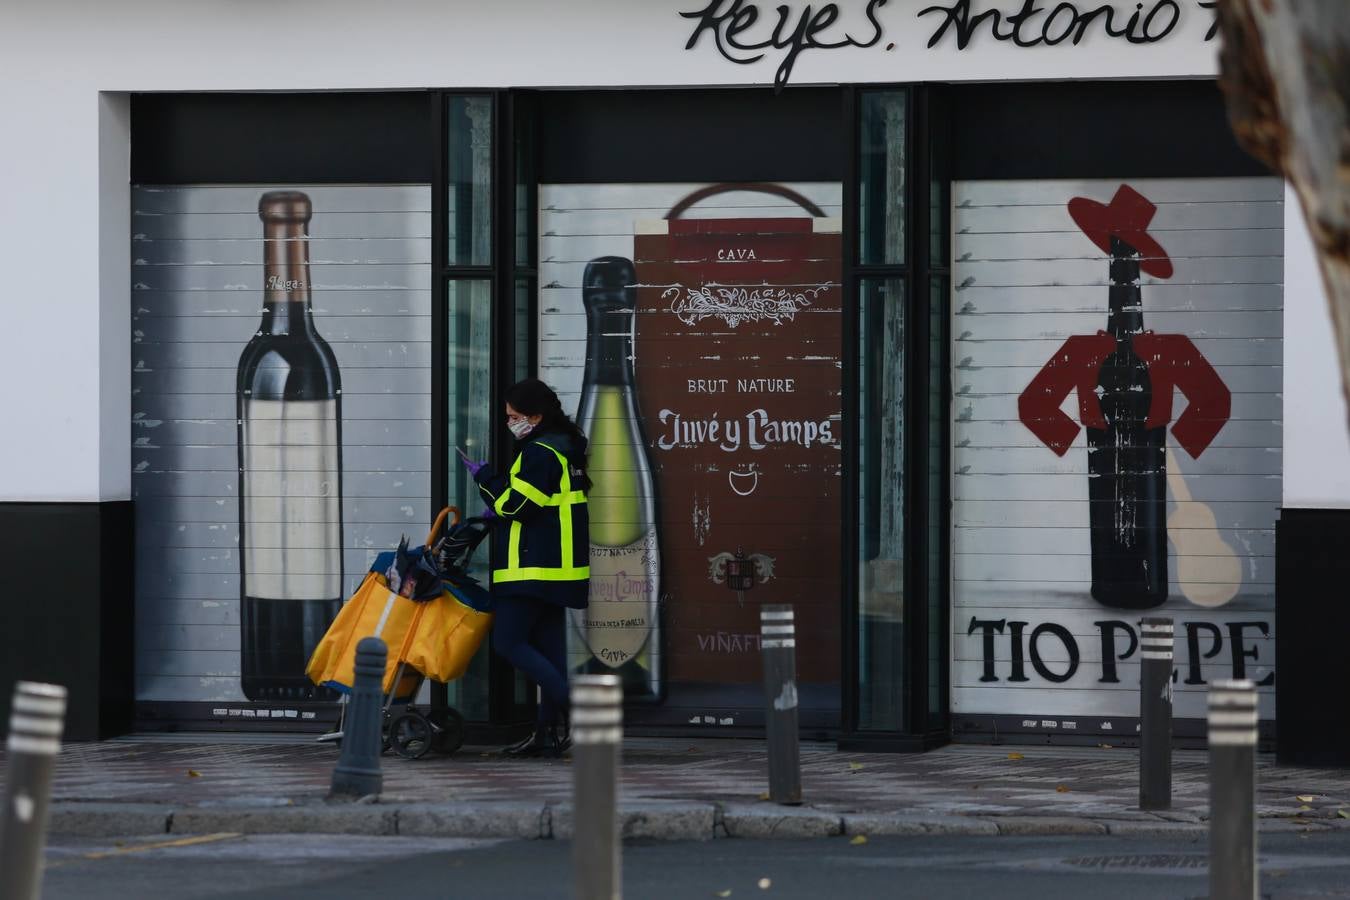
{"x": 290, "y": 470}
{"x": 1127, "y": 474}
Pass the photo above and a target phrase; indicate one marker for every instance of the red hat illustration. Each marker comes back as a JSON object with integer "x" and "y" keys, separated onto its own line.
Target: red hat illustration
{"x": 1125, "y": 217}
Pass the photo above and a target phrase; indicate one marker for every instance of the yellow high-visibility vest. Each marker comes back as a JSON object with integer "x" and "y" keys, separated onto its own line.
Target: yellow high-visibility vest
{"x": 563, "y": 501}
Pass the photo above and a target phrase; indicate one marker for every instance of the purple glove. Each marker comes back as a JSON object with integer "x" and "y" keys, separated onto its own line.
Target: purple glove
{"x": 487, "y": 513}
{"x": 473, "y": 467}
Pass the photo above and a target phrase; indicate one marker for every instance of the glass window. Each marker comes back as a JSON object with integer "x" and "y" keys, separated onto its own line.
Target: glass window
{"x": 468, "y": 384}
{"x": 526, "y": 190}
{"x": 881, "y": 195}
{"x": 524, "y": 363}
{"x": 469, "y": 215}
{"x": 881, "y": 537}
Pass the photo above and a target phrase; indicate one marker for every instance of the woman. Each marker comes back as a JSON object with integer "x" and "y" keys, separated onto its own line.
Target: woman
{"x": 541, "y": 550}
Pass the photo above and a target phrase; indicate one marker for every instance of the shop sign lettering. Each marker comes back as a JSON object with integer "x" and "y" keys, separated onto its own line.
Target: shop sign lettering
{"x": 744, "y": 34}
{"x": 757, "y": 430}
{"x": 1029, "y": 645}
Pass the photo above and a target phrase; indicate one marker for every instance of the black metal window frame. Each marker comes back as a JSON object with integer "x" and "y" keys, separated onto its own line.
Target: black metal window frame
{"x": 927, "y": 140}
{"x": 501, "y": 272}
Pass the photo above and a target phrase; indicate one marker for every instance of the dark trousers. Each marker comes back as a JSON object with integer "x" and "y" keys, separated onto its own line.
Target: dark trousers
{"x": 531, "y": 635}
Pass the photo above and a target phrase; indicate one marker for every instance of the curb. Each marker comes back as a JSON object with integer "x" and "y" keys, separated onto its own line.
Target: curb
{"x": 641, "y": 820}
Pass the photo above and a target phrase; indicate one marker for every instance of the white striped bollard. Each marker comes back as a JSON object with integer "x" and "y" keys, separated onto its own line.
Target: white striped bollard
{"x": 1155, "y": 713}
{"x": 35, "y": 724}
{"x": 778, "y": 646}
{"x": 1232, "y": 790}
{"x": 597, "y": 733}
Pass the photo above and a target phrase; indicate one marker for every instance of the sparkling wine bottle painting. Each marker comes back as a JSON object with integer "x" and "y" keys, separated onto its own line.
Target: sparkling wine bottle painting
{"x": 621, "y": 628}
{"x": 289, "y": 397}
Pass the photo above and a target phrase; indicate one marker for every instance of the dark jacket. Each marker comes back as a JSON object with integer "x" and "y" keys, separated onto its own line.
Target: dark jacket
{"x": 531, "y": 508}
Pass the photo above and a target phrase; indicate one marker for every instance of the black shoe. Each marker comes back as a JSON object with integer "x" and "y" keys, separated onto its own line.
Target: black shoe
{"x": 525, "y": 748}
{"x": 542, "y": 742}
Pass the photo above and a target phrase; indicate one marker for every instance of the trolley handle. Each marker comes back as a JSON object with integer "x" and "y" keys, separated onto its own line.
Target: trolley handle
{"x": 440, "y": 520}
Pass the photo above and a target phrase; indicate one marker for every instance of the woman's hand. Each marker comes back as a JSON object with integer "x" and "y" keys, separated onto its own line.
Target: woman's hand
{"x": 474, "y": 467}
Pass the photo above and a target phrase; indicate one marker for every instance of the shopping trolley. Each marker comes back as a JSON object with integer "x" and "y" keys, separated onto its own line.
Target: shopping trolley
{"x": 431, "y": 615}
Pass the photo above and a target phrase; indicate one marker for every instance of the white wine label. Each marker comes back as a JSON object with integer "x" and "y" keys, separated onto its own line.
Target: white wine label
{"x": 292, "y": 529}
{"x": 625, "y": 585}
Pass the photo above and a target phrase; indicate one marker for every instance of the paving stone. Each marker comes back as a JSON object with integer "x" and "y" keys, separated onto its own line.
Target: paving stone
{"x": 349, "y": 818}
{"x": 648, "y": 820}
{"x": 108, "y": 819}
{"x": 772, "y": 821}
{"x": 1154, "y": 828}
{"x": 1046, "y": 825}
{"x": 1181, "y": 815}
{"x": 1290, "y": 826}
{"x": 897, "y": 823}
{"x": 499, "y": 819}
{"x": 961, "y": 825}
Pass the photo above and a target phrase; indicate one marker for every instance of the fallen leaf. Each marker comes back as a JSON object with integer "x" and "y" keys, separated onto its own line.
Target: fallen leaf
{"x": 765, "y": 884}
{"x": 1343, "y": 814}
{"x": 193, "y": 773}
{"x": 858, "y": 840}
{"x": 853, "y": 767}
{"x": 1304, "y": 808}
{"x": 692, "y": 750}
{"x": 1061, "y": 789}
{"x": 764, "y": 796}
{"x": 726, "y": 893}
{"x": 1016, "y": 756}
{"x": 1105, "y": 746}
{"x": 1306, "y": 798}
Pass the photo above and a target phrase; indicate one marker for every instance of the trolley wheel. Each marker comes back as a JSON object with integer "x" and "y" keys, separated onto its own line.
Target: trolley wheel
{"x": 386, "y": 719}
{"x": 384, "y": 736}
{"x": 449, "y": 729}
{"x": 410, "y": 735}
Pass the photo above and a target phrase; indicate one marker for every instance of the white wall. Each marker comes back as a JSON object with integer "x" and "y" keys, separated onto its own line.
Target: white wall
{"x": 63, "y": 217}
{"x": 1316, "y": 436}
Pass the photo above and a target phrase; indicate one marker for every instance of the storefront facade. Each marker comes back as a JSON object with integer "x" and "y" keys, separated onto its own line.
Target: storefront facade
{"x": 960, "y": 328}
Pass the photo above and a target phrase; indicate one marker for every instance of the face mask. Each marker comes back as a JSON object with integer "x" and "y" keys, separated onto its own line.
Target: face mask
{"x": 520, "y": 428}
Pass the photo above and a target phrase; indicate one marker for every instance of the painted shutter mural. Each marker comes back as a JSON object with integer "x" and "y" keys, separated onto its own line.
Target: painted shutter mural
{"x": 198, "y": 294}
{"x": 1082, "y": 498}
{"x": 733, "y": 309}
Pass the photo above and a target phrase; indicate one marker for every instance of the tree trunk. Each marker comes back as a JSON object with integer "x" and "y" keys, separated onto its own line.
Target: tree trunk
{"x": 1285, "y": 71}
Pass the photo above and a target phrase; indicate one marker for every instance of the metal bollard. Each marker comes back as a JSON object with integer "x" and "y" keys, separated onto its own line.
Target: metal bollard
{"x": 357, "y": 773}
{"x": 597, "y": 732}
{"x": 1232, "y": 790}
{"x": 35, "y": 724}
{"x": 1155, "y": 713}
{"x": 778, "y": 646}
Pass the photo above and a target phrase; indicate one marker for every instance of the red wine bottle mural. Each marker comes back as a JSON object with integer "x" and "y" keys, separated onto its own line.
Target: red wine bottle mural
{"x": 290, "y": 469}
{"x": 1125, "y": 377}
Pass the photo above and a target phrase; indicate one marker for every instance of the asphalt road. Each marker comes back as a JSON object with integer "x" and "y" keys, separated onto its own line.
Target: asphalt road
{"x": 299, "y": 867}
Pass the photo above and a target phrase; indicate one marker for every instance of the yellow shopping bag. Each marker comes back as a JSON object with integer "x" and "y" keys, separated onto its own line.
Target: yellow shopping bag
{"x": 436, "y": 638}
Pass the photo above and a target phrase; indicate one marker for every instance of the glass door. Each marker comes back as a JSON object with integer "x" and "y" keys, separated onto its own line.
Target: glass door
{"x": 895, "y": 694}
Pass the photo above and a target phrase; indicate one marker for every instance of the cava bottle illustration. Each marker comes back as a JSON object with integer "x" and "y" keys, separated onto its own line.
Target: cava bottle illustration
{"x": 290, "y": 469}
{"x": 1127, "y": 469}
{"x": 621, "y": 630}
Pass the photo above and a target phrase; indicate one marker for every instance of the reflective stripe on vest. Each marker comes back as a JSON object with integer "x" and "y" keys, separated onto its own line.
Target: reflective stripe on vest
{"x": 564, "y": 500}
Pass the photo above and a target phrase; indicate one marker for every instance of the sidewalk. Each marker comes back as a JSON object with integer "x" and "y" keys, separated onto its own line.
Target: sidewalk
{"x": 671, "y": 789}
